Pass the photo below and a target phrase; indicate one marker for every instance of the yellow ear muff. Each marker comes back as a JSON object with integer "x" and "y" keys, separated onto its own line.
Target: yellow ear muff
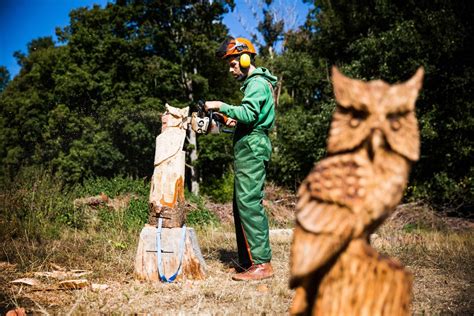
{"x": 244, "y": 60}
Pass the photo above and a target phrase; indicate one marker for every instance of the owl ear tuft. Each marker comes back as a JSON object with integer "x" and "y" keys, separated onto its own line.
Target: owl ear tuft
{"x": 340, "y": 84}
{"x": 413, "y": 86}
{"x": 416, "y": 81}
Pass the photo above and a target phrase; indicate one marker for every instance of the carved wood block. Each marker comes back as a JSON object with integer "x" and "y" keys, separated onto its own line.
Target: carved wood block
{"x": 167, "y": 192}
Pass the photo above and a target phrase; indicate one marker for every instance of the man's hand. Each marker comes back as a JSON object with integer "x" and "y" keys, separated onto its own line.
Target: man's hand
{"x": 225, "y": 119}
{"x": 230, "y": 122}
{"x": 213, "y": 105}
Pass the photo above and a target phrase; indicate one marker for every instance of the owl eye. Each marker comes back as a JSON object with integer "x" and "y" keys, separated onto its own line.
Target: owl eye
{"x": 394, "y": 119}
{"x": 356, "y": 116}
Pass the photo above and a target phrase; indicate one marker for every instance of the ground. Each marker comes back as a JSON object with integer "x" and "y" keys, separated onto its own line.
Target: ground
{"x": 438, "y": 251}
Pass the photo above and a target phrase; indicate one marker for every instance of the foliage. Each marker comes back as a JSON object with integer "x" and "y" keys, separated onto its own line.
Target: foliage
{"x": 113, "y": 187}
{"x": 201, "y": 216}
{"x": 299, "y": 142}
{"x": 215, "y": 165}
{"x": 220, "y": 190}
{"x": 37, "y": 204}
{"x": 91, "y": 106}
{"x": 271, "y": 30}
{"x": 4, "y": 77}
{"x": 136, "y": 213}
{"x": 390, "y": 40}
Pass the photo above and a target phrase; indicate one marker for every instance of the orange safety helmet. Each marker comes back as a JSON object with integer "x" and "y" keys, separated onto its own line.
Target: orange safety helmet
{"x": 235, "y": 46}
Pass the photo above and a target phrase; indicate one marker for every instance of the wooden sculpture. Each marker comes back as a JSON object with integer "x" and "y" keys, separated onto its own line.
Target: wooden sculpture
{"x": 167, "y": 183}
{"x": 177, "y": 245}
{"x": 372, "y": 143}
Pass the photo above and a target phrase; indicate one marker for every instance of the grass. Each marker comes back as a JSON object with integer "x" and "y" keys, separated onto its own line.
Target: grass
{"x": 441, "y": 263}
{"x": 104, "y": 240}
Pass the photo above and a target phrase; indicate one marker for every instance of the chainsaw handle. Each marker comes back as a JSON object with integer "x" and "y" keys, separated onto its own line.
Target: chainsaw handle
{"x": 201, "y": 107}
{"x": 219, "y": 117}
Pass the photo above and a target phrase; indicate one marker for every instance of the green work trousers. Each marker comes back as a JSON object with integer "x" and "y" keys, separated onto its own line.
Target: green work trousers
{"x": 251, "y": 155}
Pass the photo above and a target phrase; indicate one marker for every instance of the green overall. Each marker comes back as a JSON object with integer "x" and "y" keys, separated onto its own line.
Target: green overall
{"x": 252, "y": 149}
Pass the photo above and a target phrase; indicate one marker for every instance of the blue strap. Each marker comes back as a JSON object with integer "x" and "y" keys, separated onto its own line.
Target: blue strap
{"x": 158, "y": 251}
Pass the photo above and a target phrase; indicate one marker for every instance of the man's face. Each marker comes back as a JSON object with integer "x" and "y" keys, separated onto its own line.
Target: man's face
{"x": 235, "y": 70}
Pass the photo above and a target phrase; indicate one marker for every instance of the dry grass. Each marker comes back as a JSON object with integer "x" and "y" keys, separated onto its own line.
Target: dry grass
{"x": 440, "y": 257}
{"x": 440, "y": 254}
{"x": 218, "y": 294}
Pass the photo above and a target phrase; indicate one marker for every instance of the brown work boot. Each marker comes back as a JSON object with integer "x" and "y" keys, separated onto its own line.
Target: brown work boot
{"x": 255, "y": 272}
{"x": 236, "y": 269}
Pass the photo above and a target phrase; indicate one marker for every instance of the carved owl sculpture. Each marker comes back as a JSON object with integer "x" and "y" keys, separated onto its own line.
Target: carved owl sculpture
{"x": 372, "y": 143}
{"x": 167, "y": 182}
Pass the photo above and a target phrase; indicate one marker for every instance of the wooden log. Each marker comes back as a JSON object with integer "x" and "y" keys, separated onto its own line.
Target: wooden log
{"x": 93, "y": 201}
{"x": 146, "y": 262}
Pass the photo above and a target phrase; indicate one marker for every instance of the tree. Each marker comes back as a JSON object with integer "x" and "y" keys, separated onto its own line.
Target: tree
{"x": 390, "y": 40}
{"x": 91, "y": 107}
{"x": 4, "y": 77}
{"x": 271, "y": 30}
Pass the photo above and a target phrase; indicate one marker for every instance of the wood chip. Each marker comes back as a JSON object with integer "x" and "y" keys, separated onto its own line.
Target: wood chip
{"x": 61, "y": 275}
{"x": 99, "y": 287}
{"x": 74, "y": 284}
{"x": 7, "y": 266}
{"x": 57, "y": 267}
{"x": 16, "y": 312}
{"x": 79, "y": 273}
{"x": 27, "y": 281}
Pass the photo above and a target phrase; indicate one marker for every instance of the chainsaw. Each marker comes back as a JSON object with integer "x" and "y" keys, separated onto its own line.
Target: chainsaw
{"x": 208, "y": 122}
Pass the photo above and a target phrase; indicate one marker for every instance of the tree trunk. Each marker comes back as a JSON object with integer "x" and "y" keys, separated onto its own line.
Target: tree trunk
{"x": 193, "y": 265}
{"x": 192, "y": 158}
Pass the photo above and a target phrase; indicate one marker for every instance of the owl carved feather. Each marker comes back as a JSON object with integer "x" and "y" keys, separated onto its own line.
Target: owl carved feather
{"x": 372, "y": 143}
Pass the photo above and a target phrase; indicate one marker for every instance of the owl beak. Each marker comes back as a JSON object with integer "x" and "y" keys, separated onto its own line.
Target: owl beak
{"x": 376, "y": 142}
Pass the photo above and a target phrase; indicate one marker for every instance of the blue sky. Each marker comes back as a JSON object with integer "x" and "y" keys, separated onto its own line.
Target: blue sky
{"x": 23, "y": 20}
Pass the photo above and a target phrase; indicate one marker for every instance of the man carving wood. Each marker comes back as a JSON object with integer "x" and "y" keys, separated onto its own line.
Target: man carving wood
{"x": 255, "y": 116}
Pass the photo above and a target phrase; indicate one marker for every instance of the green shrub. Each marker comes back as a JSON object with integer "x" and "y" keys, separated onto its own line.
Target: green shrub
{"x": 200, "y": 216}
{"x": 220, "y": 190}
{"x": 35, "y": 204}
{"x": 129, "y": 219}
{"x": 113, "y": 187}
{"x": 444, "y": 190}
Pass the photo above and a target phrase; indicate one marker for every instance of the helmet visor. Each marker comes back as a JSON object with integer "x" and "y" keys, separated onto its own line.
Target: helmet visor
{"x": 224, "y": 47}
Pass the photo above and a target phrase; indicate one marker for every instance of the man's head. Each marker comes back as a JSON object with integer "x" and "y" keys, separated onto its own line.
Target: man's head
{"x": 239, "y": 54}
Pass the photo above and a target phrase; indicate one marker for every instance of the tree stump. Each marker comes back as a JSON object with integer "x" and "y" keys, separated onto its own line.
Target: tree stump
{"x": 166, "y": 202}
{"x": 193, "y": 265}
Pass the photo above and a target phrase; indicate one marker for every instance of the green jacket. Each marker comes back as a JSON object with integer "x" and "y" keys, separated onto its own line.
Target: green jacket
{"x": 256, "y": 113}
